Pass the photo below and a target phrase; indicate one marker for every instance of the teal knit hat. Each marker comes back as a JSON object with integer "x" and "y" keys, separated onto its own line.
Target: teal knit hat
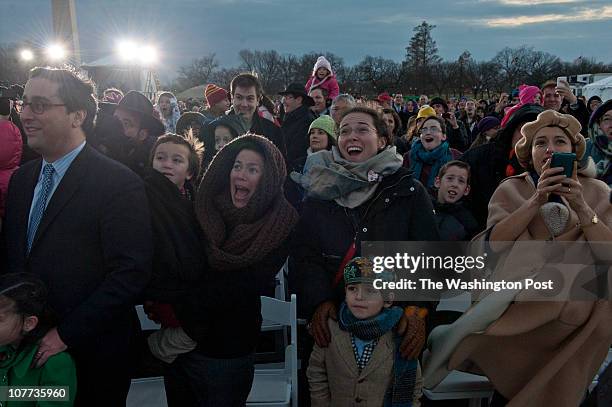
{"x": 325, "y": 123}
{"x": 361, "y": 270}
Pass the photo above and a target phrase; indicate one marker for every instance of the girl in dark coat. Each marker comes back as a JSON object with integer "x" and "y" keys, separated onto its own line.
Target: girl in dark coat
{"x": 246, "y": 220}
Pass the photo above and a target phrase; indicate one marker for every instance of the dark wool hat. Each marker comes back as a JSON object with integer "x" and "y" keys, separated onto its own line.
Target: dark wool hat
{"x": 296, "y": 89}
{"x": 136, "y": 102}
{"x": 184, "y": 122}
{"x": 527, "y": 113}
{"x": 600, "y": 111}
{"x": 438, "y": 101}
{"x": 487, "y": 123}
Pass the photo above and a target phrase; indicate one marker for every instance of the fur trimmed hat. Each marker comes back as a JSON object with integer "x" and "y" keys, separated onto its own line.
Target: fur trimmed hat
{"x": 549, "y": 118}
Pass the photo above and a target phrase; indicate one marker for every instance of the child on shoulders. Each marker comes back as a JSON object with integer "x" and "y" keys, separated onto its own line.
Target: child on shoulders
{"x": 323, "y": 77}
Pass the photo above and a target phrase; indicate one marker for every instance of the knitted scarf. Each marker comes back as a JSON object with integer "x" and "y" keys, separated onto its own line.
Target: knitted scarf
{"x": 328, "y": 176}
{"x": 239, "y": 237}
{"x": 436, "y": 158}
{"x": 600, "y": 142}
{"x": 400, "y": 392}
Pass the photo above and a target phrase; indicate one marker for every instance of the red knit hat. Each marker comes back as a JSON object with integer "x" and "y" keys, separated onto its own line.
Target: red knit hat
{"x": 214, "y": 94}
{"x": 384, "y": 97}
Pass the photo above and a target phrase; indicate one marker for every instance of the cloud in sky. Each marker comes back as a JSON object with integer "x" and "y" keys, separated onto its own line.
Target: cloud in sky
{"x": 351, "y": 29}
{"x": 586, "y": 14}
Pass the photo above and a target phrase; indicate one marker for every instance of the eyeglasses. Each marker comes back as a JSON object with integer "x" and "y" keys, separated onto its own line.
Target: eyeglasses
{"x": 360, "y": 130}
{"x": 39, "y": 107}
{"x": 432, "y": 130}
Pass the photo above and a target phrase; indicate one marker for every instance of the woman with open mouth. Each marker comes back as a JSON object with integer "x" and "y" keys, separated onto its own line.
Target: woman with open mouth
{"x": 246, "y": 220}
{"x": 430, "y": 151}
{"x": 359, "y": 191}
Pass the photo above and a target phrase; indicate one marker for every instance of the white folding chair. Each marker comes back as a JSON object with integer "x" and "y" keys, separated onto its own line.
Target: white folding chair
{"x": 273, "y": 386}
{"x": 460, "y": 385}
{"x": 147, "y": 391}
{"x": 145, "y": 323}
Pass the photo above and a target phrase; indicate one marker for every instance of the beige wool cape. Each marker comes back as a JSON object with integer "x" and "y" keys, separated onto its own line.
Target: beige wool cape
{"x": 536, "y": 353}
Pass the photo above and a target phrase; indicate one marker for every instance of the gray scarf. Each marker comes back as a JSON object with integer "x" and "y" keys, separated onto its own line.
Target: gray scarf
{"x": 328, "y": 176}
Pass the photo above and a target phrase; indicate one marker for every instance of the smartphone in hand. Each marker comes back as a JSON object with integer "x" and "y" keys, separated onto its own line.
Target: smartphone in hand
{"x": 565, "y": 160}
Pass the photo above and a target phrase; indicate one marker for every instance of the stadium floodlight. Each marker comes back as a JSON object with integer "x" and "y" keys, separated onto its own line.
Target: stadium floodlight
{"x": 26, "y": 55}
{"x": 56, "y": 52}
{"x": 127, "y": 50}
{"x": 148, "y": 55}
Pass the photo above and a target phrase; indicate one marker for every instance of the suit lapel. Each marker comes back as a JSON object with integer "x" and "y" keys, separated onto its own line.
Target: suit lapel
{"x": 344, "y": 347}
{"x": 64, "y": 191}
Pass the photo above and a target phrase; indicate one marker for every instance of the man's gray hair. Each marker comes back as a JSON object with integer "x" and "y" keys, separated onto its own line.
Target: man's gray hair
{"x": 350, "y": 100}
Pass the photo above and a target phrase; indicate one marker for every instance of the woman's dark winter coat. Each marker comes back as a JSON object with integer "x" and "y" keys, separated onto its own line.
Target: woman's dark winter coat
{"x": 223, "y": 313}
{"x": 400, "y": 210}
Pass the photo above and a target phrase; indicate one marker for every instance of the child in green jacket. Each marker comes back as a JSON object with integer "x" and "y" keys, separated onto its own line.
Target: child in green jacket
{"x": 24, "y": 320}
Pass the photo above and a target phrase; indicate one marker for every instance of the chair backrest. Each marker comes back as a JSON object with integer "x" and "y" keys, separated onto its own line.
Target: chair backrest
{"x": 280, "y": 291}
{"x": 285, "y": 313}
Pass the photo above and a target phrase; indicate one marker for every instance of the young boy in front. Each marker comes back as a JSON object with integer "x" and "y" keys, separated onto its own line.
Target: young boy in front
{"x": 455, "y": 222}
{"x": 362, "y": 364}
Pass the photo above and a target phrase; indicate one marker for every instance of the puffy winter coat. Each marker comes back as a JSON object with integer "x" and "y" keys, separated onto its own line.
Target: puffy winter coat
{"x": 400, "y": 210}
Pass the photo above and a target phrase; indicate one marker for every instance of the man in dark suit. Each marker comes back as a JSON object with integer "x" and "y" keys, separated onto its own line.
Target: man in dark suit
{"x": 79, "y": 221}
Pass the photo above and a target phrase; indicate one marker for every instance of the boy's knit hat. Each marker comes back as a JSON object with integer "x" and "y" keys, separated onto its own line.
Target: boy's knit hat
{"x": 322, "y": 62}
{"x": 325, "y": 123}
{"x": 361, "y": 270}
{"x": 426, "y": 111}
{"x": 214, "y": 94}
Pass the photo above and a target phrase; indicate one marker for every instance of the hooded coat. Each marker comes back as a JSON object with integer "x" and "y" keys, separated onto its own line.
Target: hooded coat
{"x": 10, "y": 157}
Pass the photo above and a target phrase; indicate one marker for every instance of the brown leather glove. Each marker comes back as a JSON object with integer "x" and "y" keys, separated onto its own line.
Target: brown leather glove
{"x": 318, "y": 325}
{"x": 412, "y": 327}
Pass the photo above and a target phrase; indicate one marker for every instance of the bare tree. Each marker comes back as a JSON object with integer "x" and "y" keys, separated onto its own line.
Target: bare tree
{"x": 198, "y": 73}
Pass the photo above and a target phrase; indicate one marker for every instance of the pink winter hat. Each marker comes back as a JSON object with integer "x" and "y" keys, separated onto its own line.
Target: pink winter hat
{"x": 322, "y": 63}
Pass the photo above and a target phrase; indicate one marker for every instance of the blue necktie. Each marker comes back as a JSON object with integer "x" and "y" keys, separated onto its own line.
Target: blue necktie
{"x": 39, "y": 209}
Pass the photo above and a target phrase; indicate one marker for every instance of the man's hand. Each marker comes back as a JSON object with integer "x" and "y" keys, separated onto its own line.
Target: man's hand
{"x": 318, "y": 325}
{"x": 412, "y": 327}
{"x": 565, "y": 91}
{"x": 452, "y": 119}
{"x": 51, "y": 344}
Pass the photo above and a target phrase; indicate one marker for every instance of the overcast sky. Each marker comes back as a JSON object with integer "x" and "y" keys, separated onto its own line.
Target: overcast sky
{"x": 186, "y": 29}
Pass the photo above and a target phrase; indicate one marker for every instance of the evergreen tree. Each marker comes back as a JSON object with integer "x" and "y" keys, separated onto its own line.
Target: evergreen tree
{"x": 422, "y": 54}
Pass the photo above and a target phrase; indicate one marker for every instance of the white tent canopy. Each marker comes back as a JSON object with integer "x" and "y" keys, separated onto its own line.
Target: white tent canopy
{"x": 197, "y": 92}
{"x": 601, "y": 88}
